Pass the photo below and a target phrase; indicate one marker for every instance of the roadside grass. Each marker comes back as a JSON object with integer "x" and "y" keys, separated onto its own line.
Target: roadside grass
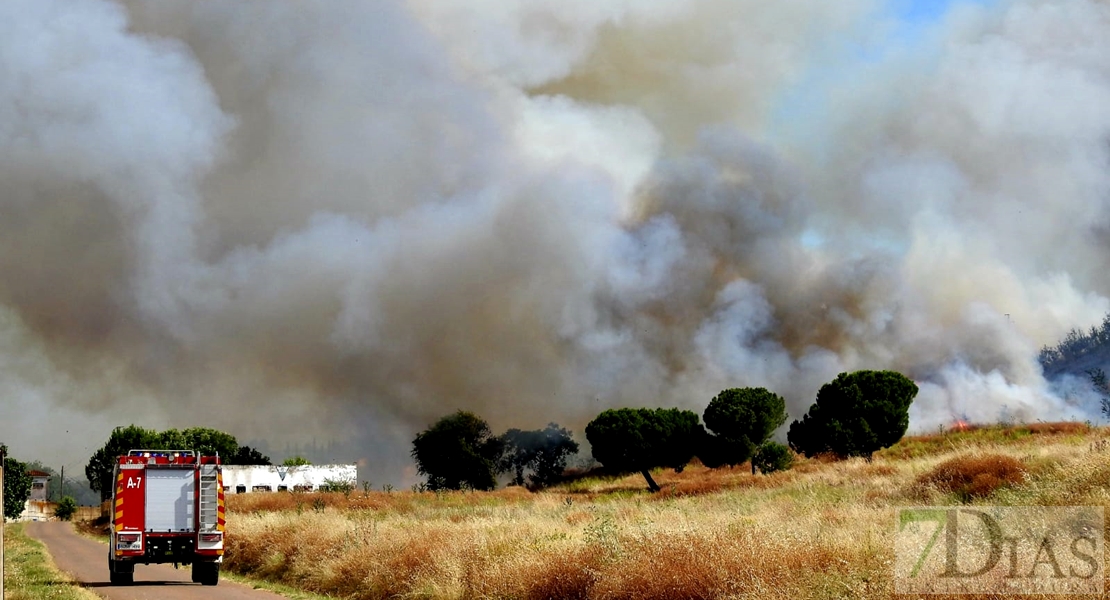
{"x": 821, "y": 530}
{"x": 30, "y": 574}
{"x": 97, "y": 530}
{"x": 282, "y": 590}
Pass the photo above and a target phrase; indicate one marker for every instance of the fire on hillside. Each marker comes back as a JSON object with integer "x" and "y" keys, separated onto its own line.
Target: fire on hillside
{"x": 961, "y": 425}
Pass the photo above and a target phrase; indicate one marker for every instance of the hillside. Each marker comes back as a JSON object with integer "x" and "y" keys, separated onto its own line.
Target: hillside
{"x": 822, "y": 530}
{"x": 1078, "y": 352}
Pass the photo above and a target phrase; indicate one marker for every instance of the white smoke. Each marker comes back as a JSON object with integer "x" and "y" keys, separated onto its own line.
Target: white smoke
{"x": 340, "y": 220}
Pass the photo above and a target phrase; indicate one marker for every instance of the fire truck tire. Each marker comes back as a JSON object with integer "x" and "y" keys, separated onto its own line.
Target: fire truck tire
{"x": 206, "y": 573}
{"x": 121, "y": 572}
{"x": 119, "y": 576}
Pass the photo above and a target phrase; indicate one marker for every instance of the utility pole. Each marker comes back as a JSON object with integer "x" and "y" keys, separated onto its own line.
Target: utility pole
{"x": 3, "y": 520}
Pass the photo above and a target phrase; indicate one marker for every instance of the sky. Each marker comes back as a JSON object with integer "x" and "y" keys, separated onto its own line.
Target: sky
{"x": 924, "y": 11}
{"x": 334, "y": 221}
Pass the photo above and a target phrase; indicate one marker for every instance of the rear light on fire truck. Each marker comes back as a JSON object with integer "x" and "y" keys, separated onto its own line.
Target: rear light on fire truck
{"x": 129, "y": 541}
{"x": 211, "y": 538}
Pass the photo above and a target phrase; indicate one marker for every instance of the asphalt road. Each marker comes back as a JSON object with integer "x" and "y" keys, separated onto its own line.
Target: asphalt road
{"x": 86, "y": 561}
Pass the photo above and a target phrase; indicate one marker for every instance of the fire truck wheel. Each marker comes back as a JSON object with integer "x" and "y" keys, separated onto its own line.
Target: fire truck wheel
{"x": 206, "y": 573}
{"x": 121, "y": 573}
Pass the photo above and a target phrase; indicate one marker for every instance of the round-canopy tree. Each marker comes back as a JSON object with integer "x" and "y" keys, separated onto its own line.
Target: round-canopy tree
{"x": 542, "y": 451}
{"x": 742, "y": 419}
{"x": 458, "y": 451}
{"x": 855, "y": 414}
{"x": 99, "y": 468}
{"x": 17, "y": 485}
{"x": 206, "y": 441}
{"x": 245, "y": 455}
{"x": 630, "y": 440}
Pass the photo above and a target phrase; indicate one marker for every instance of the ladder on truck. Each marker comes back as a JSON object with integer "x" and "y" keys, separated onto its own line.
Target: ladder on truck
{"x": 209, "y": 498}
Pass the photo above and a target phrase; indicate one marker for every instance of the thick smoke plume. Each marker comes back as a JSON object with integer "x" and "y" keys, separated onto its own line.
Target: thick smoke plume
{"x": 339, "y": 220}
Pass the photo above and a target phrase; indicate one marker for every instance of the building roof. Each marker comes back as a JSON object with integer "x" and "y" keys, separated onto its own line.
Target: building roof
{"x": 38, "y": 474}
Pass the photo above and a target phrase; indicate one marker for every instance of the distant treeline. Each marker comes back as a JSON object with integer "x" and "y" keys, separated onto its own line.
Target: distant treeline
{"x": 855, "y": 414}
{"x": 1075, "y": 345}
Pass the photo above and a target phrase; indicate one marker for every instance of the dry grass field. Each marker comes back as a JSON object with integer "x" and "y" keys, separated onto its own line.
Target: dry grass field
{"x": 821, "y": 530}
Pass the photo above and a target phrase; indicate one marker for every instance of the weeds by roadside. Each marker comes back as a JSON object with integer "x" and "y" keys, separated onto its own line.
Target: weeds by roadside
{"x": 30, "y": 573}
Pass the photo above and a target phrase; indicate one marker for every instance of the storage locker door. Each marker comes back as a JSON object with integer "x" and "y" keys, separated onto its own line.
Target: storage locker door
{"x": 170, "y": 499}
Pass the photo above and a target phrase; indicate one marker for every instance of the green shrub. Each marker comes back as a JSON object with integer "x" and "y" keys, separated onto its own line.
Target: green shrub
{"x": 771, "y": 457}
{"x": 66, "y": 508}
{"x": 343, "y": 486}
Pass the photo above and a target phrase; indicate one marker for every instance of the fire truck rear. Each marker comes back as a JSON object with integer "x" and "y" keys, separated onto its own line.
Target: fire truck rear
{"x": 169, "y": 508}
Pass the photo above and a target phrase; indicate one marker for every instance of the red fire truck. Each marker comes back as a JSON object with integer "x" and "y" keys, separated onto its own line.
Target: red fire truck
{"x": 169, "y": 508}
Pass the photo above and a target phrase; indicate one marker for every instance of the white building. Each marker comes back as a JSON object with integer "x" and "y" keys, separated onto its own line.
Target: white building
{"x": 240, "y": 479}
{"x": 36, "y": 508}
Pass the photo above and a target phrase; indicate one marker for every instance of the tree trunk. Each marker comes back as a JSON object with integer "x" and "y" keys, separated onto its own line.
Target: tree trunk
{"x": 651, "y": 482}
{"x": 753, "y": 466}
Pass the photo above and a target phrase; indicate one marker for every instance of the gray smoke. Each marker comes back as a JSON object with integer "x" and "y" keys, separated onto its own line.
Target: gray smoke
{"x": 340, "y": 220}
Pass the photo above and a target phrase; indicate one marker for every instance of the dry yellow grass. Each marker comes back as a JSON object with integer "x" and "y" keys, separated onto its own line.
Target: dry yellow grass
{"x": 822, "y": 530}
{"x": 974, "y": 476}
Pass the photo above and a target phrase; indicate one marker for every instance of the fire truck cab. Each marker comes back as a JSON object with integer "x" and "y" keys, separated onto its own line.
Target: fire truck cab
{"x": 168, "y": 508}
